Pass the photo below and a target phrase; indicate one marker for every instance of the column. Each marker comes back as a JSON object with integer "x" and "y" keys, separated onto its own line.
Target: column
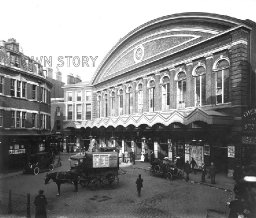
{"x": 156, "y": 149}
{"x": 170, "y": 149}
{"x": 189, "y": 101}
{"x": 143, "y": 150}
{"x": 210, "y": 78}
{"x": 173, "y": 89}
{"x": 145, "y": 96}
{"x": 134, "y": 105}
{"x": 157, "y": 97}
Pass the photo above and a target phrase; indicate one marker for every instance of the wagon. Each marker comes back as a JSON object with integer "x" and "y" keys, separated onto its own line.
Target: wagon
{"x": 96, "y": 168}
{"x": 165, "y": 168}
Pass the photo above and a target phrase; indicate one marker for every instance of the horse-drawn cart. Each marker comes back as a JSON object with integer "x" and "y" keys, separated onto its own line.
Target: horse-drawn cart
{"x": 96, "y": 168}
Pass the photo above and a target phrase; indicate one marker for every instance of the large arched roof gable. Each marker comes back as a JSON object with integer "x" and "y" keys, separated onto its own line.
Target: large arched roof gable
{"x": 160, "y": 37}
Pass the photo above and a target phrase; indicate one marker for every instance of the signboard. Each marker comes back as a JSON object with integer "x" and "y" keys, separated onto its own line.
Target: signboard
{"x": 231, "y": 151}
{"x": 249, "y": 127}
{"x": 197, "y": 152}
{"x": 103, "y": 160}
{"x": 17, "y": 151}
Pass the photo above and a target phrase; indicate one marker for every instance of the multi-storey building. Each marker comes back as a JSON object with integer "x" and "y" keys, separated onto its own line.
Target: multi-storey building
{"x": 24, "y": 106}
{"x": 176, "y": 86}
{"x": 78, "y": 109}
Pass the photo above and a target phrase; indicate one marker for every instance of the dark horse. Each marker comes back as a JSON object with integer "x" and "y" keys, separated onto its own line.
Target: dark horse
{"x": 63, "y": 177}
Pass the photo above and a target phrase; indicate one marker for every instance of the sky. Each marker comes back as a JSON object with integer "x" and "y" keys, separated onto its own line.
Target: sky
{"x": 85, "y": 31}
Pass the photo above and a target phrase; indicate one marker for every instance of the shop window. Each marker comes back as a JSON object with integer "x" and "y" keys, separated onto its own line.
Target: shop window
{"x": 99, "y": 106}
{"x": 23, "y": 119}
{"x": 1, "y": 84}
{"x": 140, "y": 98}
{"x": 70, "y": 110}
{"x": 1, "y": 118}
{"x": 112, "y": 103}
{"x": 181, "y": 92}
{"x": 151, "y": 95}
{"x": 34, "y": 92}
{"x": 12, "y": 87}
{"x": 88, "y": 112}
{"x": 166, "y": 93}
{"x": 222, "y": 82}
{"x": 106, "y": 104}
{"x": 130, "y": 99}
{"x": 121, "y": 102}
{"x": 79, "y": 96}
{"x": 200, "y": 86}
{"x": 78, "y": 111}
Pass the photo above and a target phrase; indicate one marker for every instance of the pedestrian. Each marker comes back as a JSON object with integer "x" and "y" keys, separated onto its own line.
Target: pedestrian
{"x": 152, "y": 157}
{"x": 139, "y": 183}
{"x": 203, "y": 172}
{"x": 133, "y": 158}
{"x": 212, "y": 172}
{"x": 40, "y": 203}
{"x": 187, "y": 170}
{"x": 193, "y": 164}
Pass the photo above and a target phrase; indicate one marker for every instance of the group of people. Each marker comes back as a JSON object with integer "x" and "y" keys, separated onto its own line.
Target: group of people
{"x": 191, "y": 167}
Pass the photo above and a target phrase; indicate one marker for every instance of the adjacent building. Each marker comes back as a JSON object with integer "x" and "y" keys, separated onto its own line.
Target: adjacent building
{"x": 24, "y": 106}
{"x": 175, "y": 86}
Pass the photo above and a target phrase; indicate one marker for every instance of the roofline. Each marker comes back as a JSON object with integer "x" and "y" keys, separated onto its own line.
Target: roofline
{"x": 185, "y": 15}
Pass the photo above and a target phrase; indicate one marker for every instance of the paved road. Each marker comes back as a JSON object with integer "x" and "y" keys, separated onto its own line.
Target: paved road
{"x": 160, "y": 198}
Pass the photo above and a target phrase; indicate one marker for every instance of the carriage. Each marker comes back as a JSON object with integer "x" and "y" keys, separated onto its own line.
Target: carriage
{"x": 165, "y": 168}
{"x": 96, "y": 168}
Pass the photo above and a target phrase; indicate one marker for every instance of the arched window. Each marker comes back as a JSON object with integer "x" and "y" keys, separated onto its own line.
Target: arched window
{"x": 165, "y": 93}
{"x": 151, "y": 94}
{"x": 99, "y": 106}
{"x": 222, "y": 82}
{"x": 106, "y": 104}
{"x": 181, "y": 89}
{"x": 129, "y": 99}
{"x": 140, "y": 98}
{"x": 112, "y": 103}
{"x": 121, "y": 101}
{"x": 200, "y": 86}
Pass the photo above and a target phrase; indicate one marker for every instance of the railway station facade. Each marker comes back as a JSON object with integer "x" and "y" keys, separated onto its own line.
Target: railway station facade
{"x": 177, "y": 86}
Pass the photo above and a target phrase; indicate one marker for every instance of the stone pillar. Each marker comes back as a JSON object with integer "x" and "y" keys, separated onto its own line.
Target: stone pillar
{"x": 134, "y": 105}
{"x": 133, "y": 145}
{"x": 123, "y": 146}
{"x": 190, "y": 93}
{"x": 156, "y": 149}
{"x": 173, "y": 89}
{"x": 157, "y": 97}
{"x": 143, "y": 150}
{"x": 210, "y": 78}
{"x": 145, "y": 96}
{"x": 170, "y": 149}
{"x": 116, "y": 103}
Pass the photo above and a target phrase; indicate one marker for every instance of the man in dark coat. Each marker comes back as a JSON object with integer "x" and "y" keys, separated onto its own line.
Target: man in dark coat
{"x": 187, "y": 170}
{"x": 203, "y": 173}
{"x": 40, "y": 203}
{"x": 193, "y": 164}
{"x": 212, "y": 172}
{"x": 139, "y": 183}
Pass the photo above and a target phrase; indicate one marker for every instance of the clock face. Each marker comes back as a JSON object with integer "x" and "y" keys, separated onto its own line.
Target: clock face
{"x": 138, "y": 53}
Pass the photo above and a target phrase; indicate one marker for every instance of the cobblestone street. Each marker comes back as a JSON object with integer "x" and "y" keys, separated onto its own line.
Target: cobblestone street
{"x": 160, "y": 197}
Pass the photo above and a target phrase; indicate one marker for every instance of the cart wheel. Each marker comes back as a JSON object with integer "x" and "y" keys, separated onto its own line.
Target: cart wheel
{"x": 169, "y": 176}
{"x": 36, "y": 171}
{"x": 51, "y": 167}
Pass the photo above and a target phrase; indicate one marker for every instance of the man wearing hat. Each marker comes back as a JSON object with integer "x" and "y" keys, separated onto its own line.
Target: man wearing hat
{"x": 40, "y": 203}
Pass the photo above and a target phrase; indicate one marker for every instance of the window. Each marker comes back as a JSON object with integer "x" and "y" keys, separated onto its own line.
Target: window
{"x": 33, "y": 91}
{"x": 23, "y": 119}
{"x": 58, "y": 111}
{"x": 69, "y": 96}
{"x": 222, "y": 82}
{"x": 70, "y": 109}
{"x": 200, "y": 86}
{"x": 181, "y": 92}
{"x": 13, "y": 118}
{"x": 99, "y": 106}
{"x": 41, "y": 121}
{"x": 24, "y": 88}
{"x": 151, "y": 94}
{"x": 1, "y": 118}
{"x": 130, "y": 100}
{"x": 12, "y": 87}
{"x": 42, "y": 94}
{"x": 78, "y": 111}
{"x": 33, "y": 120}
{"x": 79, "y": 96}
{"x": 18, "y": 119}
{"x": 121, "y": 102}
{"x": 88, "y": 112}
{"x": 140, "y": 98}
{"x": 166, "y": 93}
{"x": 112, "y": 103}
{"x": 1, "y": 84}
{"x": 106, "y": 104}
{"x": 18, "y": 88}
{"x": 88, "y": 95}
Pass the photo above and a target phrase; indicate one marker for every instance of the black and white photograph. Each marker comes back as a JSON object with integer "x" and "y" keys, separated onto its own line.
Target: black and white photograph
{"x": 128, "y": 109}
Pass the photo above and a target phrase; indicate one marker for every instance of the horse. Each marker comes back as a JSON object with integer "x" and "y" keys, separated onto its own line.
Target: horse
{"x": 63, "y": 177}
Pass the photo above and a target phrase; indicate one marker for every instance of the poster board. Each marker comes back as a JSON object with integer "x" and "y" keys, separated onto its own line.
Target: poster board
{"x": 197, "y": 152}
